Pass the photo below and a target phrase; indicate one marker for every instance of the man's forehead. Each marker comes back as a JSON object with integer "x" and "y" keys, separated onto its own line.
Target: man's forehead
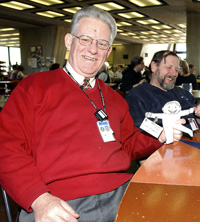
{"x": 170, "y": 59}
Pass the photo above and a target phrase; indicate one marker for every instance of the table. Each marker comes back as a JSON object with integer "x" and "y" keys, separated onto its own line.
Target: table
{"x": 196, "y": 94}
{"x": 166, "y": 188}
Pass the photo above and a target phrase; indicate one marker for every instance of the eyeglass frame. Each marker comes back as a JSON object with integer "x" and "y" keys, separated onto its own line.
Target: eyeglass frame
{"x": 91, "y": 41}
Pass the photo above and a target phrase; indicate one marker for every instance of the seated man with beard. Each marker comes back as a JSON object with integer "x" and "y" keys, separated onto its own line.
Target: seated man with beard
{"x": 151, "y": 97}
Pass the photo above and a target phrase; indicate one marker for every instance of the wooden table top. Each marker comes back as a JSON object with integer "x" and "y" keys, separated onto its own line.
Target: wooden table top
{"x": 166, "y": 188}
{"x": 159, "y": 203}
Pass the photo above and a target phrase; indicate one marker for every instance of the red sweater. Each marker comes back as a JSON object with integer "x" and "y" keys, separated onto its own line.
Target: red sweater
{"x": 50, "y": 141}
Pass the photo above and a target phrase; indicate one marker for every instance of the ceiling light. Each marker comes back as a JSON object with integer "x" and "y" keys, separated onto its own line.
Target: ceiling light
{"x": 163, "y": 36}
{"x": 72, "y": 10}
{"x": 68, "y": 20}
{"x": 126, "y": 34}
{"x": 131, "y": 33}
{"x": 130, "y": 15}
{"x": 50, "y": 14}
{"x": 119, "y": 30}
{"x": 145, "y": 3}
{"x": 173, "y": 31}
{"x": 14, "y": 34}
{"x": 16, "y": 5}
{"x": 148, "y": 21}
{"x": 148, "y": 32}
{"x": 184, "y": 26}
{"x": 109, "y": 6}
{"x": 161, "y": 27}
{"x": 123, "y": 24}
{"x": 6, "y": 29}
{"x": 48, "y": 2}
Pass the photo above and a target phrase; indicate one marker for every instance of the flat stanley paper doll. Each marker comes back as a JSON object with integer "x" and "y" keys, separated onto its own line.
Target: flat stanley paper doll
{"x": 172, "y": 112}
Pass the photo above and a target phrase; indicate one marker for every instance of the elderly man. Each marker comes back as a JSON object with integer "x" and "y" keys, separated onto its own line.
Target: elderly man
{"x": 151, "y": 97}
{"x": 65, "y": 151}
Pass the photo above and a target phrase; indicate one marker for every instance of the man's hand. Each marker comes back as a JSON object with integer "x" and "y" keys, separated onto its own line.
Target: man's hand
{"x": 50, "y": 208}
{"x": 197, "y": 110}
{"x": 177, "y": 133}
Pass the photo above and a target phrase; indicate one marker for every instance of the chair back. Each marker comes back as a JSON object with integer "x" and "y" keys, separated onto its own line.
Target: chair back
{"x": 7, "y": 205}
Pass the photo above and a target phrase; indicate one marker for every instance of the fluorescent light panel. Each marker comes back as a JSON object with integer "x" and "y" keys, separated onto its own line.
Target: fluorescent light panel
{"x": 48, "y": 2}
{"x": 148, "y": 21}
{"x": 16, "y": 5}
{"x": 109, "y": 6}
{"x": 130, "y": 15}
{"x": 50, "y": 14}
{"x": 145, "y": 3}
{"x": 161, "y": 27}
{"x": 184, "y": 26}
{"x": 123, "y": 24}
{"x": 6, "y": 29}
{"x": 72, "y": 10}
{"x": 148, "y": 32}
{"x": 68, "y": 20}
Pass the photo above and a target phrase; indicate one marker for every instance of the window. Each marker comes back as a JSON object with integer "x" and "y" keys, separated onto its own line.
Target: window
{"x": 13, "y": 53}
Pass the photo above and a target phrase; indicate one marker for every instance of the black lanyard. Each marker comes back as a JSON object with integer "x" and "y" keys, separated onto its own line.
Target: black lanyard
{"x": 100, "y": 114}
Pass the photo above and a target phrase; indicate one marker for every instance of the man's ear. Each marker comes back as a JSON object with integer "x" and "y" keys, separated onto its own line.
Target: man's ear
{"x": 109, "y": 51}
{"x": 153, "y": 66}
{"x": 68, "y": 40}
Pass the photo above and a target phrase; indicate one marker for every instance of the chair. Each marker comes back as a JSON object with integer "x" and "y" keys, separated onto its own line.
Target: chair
{"x": 7, "y": 205}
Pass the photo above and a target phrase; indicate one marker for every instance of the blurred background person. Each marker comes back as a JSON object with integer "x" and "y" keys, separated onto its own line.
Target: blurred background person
{"x": 184, "y": 76}
{"x": 119, "y": 71}
{"x": 17, "y": 73}
{"x": 54, "y": 66}
{"x": 132, "y": 76}
{"x": 103, "y": 74}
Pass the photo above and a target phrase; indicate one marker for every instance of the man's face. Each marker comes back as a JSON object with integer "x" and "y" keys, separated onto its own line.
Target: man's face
{"x": 164, "y": 75}
{"x": 87, "y": 60}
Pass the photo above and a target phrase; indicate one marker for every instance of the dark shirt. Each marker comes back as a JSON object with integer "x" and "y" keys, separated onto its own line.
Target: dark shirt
{"x": 147, "y": 98}
{"x": 187, "y": 79}
{"x": 130, "y": 78}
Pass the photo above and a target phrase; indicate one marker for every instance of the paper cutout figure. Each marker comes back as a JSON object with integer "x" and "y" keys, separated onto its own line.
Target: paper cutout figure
{"x": 171, "y": 113}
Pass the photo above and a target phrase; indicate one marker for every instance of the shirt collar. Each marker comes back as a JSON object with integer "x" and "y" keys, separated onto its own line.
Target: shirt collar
{"x": 77, "y": 76}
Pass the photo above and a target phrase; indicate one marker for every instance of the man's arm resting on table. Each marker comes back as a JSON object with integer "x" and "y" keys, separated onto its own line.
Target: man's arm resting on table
{"x": 50, "y": 208}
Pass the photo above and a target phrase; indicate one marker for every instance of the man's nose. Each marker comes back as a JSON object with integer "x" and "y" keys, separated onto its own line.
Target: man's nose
{"x": 93, "y": 47}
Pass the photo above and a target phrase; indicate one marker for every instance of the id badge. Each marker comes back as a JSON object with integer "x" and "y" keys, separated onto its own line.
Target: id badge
{"x": 151, "y": 127}
{"x": 193, "y": 124}
{"x": 105, "y": 130}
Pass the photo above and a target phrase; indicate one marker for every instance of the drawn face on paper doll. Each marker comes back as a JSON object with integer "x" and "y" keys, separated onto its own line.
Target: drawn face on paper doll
{"x": 172, "y": 107}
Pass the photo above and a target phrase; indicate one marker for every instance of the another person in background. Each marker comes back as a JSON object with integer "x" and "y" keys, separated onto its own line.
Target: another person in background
{"x": 119, "y": 71}
{"x": 132, "y": 76}
{"x": 54, "y": 66}
{"x": 66, "y": 151}
{"x": 192, "y": 69}
{"x": 184, "y": 75}
{"x": 152, "y": 97}
{"x": 17, "y": 73}
{"x": 147, "y": 74}
{"x": 103, "y": 74}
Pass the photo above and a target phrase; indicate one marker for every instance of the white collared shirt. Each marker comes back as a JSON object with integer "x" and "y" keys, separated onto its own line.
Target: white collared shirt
{"x": 77, "y": 76}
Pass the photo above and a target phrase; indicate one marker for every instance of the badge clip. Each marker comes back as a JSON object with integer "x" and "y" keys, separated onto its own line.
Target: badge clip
{"x": 101, "y": 115}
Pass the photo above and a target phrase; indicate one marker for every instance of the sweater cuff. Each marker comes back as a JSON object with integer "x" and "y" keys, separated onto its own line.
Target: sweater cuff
{"x": 32, "y": 194}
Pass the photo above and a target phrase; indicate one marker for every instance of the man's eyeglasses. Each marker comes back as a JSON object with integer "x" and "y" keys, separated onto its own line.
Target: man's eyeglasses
{"x": 87, "y": 40}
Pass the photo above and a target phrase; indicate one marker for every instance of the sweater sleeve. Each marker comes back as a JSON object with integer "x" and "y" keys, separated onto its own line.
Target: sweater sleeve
{"x": 18, "y": 173}
{"x": 137, "y": 144}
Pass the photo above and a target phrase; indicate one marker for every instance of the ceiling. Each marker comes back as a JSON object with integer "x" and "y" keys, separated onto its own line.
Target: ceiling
{"x": 169, "y": 16}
